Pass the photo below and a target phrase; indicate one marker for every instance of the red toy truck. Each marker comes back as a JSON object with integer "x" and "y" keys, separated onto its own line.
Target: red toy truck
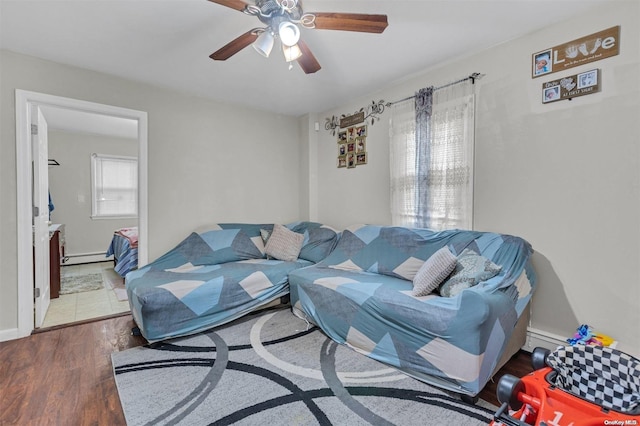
{"x": 572, "y": 386}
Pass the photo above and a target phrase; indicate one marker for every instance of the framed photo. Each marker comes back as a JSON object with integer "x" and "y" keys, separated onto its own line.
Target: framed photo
{"x": 342, "y": 149}
{"x": 351, "y": 161}
{"x": 352, "y": 133}
{"x": 342, "y": 161}
{"x": 551, "y": 94}
{"x": 361, "y": 145}
{"x": 361, "y": 131}
{"x": 542, "y": 63}
{"x": 361, "y": 158}
{"x": 588, "y": 79}
{"x": 342, "y": 136}
{"x": 351, "y": 147}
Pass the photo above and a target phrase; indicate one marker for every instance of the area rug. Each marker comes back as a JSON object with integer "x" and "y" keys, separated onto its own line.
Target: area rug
{"x": 116, "y": 283}
{"x": 272, "y": 369}
{"x": 79, "y": 283}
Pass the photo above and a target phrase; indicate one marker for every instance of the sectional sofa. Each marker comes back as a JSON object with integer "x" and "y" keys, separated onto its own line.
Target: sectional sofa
{"x": 448, "y": 308}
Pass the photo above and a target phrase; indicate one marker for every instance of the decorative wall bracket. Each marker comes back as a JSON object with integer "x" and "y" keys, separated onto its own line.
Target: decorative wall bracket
{"x": 370, "y": 113}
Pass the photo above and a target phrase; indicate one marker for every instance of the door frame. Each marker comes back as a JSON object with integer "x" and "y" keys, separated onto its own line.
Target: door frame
{"x": 40, "y": 188}
{"x": 24, "y": 100}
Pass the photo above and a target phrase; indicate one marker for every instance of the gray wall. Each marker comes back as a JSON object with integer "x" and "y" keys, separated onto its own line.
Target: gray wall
{"x": 70, "y": 188}
{"x": 208, "y": 162}
{"x": 564, "y": 176}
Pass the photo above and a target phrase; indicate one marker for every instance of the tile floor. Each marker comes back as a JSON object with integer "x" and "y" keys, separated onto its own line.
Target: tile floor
{"x": 86, "y": 305}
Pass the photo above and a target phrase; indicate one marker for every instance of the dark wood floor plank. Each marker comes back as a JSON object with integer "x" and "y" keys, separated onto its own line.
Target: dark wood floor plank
{"x": 65, "y": 376}
{"x": 519, "y": 365}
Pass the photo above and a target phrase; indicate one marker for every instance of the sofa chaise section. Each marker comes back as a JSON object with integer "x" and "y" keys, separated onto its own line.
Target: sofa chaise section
{"x": 361, "y": 296}
{"x": 214, "y": 277}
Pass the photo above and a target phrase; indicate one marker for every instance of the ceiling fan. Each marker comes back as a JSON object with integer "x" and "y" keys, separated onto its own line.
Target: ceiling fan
{"x": 282, "y": 18}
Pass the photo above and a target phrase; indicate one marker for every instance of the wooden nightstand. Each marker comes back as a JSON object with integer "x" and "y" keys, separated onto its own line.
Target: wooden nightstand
{"x": 56, "y": 257}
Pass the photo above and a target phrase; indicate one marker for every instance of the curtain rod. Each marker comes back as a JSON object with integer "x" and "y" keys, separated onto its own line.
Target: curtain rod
{"x": 473, "y": 77}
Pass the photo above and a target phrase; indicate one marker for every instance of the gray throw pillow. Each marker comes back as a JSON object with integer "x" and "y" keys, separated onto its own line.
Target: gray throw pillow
{"x": 432, "y": 272}
{"x": 284, "y": 244}
{"x": 471, "y": 268}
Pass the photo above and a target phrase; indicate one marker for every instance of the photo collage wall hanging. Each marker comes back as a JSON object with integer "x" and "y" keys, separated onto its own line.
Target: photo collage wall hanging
{"x": 352, "y": 146}
{"x": 594, "y": 47}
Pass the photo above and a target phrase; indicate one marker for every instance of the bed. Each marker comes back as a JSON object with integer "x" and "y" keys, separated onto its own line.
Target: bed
{"x": 124, "y": 248}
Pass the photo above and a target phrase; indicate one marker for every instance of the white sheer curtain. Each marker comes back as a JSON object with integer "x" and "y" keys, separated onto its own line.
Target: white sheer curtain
{"x": 450, "y": 176}
{"x": 443, "y": 190}
{"x": 403, "y": 164}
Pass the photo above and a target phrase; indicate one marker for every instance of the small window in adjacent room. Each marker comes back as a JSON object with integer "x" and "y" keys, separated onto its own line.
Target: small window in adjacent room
{"x": 114, "y": 186}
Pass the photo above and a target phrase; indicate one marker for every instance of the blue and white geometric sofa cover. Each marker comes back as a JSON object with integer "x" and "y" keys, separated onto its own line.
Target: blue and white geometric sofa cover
{"x": 215, "y": 277}
{"x": 361, "y": 296}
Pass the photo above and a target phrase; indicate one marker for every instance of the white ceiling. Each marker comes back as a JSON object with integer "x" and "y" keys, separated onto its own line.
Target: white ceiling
{"x": 168, "y": 42}
{"x": 70, "y": 120}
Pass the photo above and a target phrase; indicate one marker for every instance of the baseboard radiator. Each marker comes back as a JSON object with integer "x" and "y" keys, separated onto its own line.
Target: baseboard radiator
{"x": 78, "y": 258}
{"x": 544, "y": 339}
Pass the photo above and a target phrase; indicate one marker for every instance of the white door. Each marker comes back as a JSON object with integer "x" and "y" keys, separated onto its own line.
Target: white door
{"x": 40, "y": 214}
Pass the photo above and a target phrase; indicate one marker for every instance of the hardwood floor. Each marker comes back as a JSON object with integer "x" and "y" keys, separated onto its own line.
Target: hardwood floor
{"x": 519, "y": 365}
{"x": 64, "y": 376}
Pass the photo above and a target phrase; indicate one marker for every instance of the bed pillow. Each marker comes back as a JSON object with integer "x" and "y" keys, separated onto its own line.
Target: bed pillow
{"x": 284, "y": 244}
{"x": 433, "y": 272}
{"x": 471, "y": 268}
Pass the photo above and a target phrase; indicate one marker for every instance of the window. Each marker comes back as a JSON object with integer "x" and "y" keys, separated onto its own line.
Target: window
{"x": 432, "y": 160}
{"x": 114, "y": 186}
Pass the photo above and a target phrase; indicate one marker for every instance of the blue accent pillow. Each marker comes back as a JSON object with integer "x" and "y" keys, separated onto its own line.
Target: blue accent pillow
{"x": 471, "y": 268}
{"x": 251, "y": 229}
{"x": 319, "y": 240}
{"x": 229, "y": 245}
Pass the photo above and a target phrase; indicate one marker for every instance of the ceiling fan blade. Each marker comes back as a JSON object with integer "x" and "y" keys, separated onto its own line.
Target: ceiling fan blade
{"x": 234, "y": 46}
{"x": 351, "y": 22}
{"x": 307, "y": 61}
{"x": 233, "y": 4}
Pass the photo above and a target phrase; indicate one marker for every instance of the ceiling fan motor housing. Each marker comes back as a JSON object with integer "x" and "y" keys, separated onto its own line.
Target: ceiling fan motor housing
{"x": 271, "y": 11}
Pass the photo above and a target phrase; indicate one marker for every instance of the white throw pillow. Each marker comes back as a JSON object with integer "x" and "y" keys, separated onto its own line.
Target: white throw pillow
{"x": 433, "y": 272}
{"x": 284, "y": 244}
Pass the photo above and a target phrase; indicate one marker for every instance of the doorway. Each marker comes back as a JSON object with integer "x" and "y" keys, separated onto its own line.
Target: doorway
{"x": 26, "y": 102}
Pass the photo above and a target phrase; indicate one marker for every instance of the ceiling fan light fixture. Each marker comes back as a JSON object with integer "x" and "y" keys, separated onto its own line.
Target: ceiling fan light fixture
{"x": 291, "y": 53}
{"x": 289, "y": 33}
{"x": 264, "y": 43}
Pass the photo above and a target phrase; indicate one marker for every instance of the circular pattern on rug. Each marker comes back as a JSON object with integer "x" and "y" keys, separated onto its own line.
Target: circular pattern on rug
{"x": 271, "y": 369}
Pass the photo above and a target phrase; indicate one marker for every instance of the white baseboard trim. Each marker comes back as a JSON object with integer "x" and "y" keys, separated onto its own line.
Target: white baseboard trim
{"x": 543, "y": 339}
{"x": 9, "y": 334}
